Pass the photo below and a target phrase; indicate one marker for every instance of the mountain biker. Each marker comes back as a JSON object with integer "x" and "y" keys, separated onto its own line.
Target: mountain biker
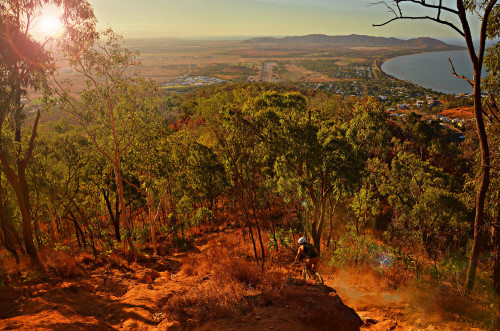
{"x": 311, "y": 254}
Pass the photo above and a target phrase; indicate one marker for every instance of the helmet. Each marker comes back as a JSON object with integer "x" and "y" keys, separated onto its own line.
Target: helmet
{"x": 302, "y": 240}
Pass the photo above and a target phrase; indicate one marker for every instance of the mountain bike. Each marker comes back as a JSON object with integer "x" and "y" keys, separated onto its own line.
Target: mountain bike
{"x": 308, "y": 274}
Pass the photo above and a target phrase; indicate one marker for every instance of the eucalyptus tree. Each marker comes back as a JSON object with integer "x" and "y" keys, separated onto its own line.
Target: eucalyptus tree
{"x": 313, "y": 152}
{"x": 206, "y": 175}
{"x": 156, "y": 161}
{"x": 245, "y": 160}
{"x": 25, "y": 64}
{"x": 491, "y": 84}
{"x": 58, "y": 173}
{"x": 8, "y": 234}
{"x": 238, "y": 150}
{"x": 109, "y": 103}
{"x": 428, "y": 212}
{"x": 460, "y": 16}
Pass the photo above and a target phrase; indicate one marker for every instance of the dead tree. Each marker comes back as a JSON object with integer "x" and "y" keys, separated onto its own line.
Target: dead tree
{"x": 455, "y": 16}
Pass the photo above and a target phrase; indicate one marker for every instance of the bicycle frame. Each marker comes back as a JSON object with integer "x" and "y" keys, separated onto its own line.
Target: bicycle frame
{"x": 306, "y": 273}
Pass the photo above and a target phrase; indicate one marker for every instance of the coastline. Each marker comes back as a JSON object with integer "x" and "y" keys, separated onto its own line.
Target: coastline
{"x": 417, "y": 80}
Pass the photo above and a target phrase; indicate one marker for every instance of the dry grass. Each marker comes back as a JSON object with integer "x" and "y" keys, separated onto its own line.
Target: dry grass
{"x": 10, "y": 271}
{"x": 445, "y": 302}
{"x": 397, "y": 276}
{"x": 85, "y": 258}
{"x": 117, "y": 259}
{"x": 449, "y": 301}
{"x": 61, "y": 263}
{"x": 231, "y": 283}
{"x": 211, "y": 300}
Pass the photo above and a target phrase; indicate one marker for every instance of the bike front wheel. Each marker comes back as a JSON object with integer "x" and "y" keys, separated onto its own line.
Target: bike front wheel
{"x": 305, "y": 274}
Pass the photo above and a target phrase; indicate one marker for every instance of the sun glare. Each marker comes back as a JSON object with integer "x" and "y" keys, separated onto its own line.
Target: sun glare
{"x": 50, "y": 26}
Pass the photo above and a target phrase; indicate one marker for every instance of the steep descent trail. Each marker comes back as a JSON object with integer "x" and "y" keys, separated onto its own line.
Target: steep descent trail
{"x": 117, "y": 295}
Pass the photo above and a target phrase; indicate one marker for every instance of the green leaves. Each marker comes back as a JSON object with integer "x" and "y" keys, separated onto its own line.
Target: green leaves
{"x": 426, "y": 208}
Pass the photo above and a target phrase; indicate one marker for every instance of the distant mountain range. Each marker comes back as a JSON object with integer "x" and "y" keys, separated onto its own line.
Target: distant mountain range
{"x": 355, "y": 40}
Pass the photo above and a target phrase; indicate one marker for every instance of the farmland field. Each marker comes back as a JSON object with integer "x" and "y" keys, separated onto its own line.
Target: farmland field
{"x": 336, "y": 68}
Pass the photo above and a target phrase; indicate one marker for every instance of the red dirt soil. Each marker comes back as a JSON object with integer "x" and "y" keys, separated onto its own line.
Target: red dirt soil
{"x": 461, "y": 113}
{"x": 132, "y": 296}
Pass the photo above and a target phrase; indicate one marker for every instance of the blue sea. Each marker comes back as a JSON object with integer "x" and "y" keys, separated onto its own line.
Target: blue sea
{"x": 431, "y": 70}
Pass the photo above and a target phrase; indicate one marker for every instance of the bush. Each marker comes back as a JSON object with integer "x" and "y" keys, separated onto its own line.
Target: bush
{"x": 393, "y": 265}
{"x": 85, "y": 258}
{"x": 63, "y": 264}
{"x": 283, "y": 239}
{"x": 358, "y": 250}
{"x": 446, "y": 301}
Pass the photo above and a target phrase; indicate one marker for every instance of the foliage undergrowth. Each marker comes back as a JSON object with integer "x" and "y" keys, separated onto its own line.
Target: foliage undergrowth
{"x": 393, "y": 265}
{"x": 434, "y": 293}
{"x": 62, "y": 263}
{"x": 445, "y": 302}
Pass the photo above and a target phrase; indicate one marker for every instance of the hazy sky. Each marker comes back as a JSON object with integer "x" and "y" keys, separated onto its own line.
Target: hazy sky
{"x": 203, "y": 18}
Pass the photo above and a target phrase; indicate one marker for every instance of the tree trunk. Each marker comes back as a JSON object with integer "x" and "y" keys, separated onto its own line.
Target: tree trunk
{"x": 249, "y": 224}
{"x": 152, "y": 221}
{"x": 7, "y": 234}
{"x": 253, "y": 242}
{"x": 321, "y": 224}
{"x": 331, "y": 214}
{"x": 483, "y": 186}
{"x": 78, "y": 229}
{"x": 263, "y": 252}
{"x": 126, "y": 220}
{"x": 18, "y": 181}
{"x": 24, "y": 206}
{"x": 53, "y": 226}
{"x": 20, "y": 187}
{"x": 114, "y": 220}
{"x": 273, "y": 228}
{"x": 316, "y": 233}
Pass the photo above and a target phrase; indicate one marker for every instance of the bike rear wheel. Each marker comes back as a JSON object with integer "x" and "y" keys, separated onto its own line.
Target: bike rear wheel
{"x": 317, "y": 277}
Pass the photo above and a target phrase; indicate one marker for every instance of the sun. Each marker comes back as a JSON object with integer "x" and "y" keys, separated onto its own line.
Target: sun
{"x": 50, "y": 25}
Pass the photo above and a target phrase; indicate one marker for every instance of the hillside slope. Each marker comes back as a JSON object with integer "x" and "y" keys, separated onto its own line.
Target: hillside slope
{"x": 354, "y": 40}
{"x": 184, "y": 291}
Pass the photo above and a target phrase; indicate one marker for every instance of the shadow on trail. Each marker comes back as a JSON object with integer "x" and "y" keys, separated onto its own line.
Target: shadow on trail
{"x": 66, "y": 308}
{"x": 161, "y": 265}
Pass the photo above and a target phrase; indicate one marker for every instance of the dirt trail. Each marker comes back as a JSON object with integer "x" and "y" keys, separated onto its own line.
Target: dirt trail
{"x": 379, "y": 309}
{"x": 123, "y": 297}
{"x": 131, "y": 297}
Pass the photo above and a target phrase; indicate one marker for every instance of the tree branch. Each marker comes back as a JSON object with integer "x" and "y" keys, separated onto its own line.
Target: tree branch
{"x": 453, "y": 26}
{"x": 454, "y": 73}
{"x": 484, "y": 26}
{"x": 31, "y": 145}
{"x": 428, "y": 5}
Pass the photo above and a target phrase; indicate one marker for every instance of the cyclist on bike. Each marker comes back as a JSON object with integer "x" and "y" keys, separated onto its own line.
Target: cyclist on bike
{"x": 311, "y": 254}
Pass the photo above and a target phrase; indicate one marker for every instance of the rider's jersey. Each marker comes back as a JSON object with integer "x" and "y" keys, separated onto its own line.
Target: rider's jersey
{"x": 310, "y": 251}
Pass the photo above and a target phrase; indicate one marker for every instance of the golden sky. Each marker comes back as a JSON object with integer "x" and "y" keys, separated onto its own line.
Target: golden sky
{"x": 210, "y": 18}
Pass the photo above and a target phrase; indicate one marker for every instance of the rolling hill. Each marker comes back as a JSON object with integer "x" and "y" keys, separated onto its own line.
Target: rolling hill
{"x": 354, "y": 40}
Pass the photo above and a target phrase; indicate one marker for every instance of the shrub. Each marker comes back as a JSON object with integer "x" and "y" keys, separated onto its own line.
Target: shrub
{"x": 116, "y": 260}
{"x": 358, "y": 250}
{"x": 63, "y": 264}
{"x": 446, "y": 301}
{"x": 85, "y": 258}
{"x": 393, "y": 265}
{"x": 283, "y": 239}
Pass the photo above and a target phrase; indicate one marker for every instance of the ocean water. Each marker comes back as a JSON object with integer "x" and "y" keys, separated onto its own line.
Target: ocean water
{"x": 431, "y": 70}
